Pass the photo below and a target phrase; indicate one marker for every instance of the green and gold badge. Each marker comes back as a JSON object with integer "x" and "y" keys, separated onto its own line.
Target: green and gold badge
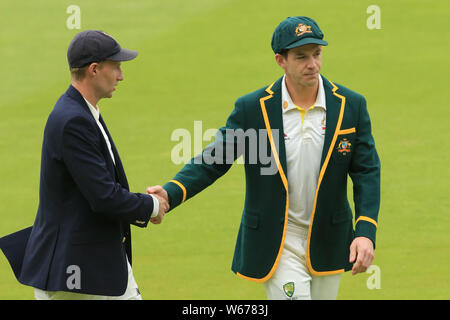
{"x": 289, "y": 289}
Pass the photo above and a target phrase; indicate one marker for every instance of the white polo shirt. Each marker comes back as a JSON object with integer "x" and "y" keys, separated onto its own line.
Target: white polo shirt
{"x": 304, "y": 133}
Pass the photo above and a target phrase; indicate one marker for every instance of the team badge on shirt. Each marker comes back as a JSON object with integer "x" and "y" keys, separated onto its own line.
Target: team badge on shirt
{"x": 289, "y": 289}
{"x": 323, "y": 125}
{"x": 344, "y": 146}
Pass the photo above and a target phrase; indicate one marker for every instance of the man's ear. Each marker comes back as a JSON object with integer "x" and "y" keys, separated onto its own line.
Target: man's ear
{"x": 281, "y": 61}
{"x": 93, "y": 69}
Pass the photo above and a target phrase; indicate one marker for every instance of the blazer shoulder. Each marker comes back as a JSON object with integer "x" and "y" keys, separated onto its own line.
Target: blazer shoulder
{"x": 349, "y": 93}
{"x": 66, "y": 109}
{"x": 254, "y": 97}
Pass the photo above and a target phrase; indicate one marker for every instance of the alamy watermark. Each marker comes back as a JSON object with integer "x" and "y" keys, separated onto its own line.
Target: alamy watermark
{"x": 228, "y": 145}
{"x": 374, "y": 20}
{"x": 374, "y": 281}
{"x": 74, "y": 279}
{"x": 74, "y": 20}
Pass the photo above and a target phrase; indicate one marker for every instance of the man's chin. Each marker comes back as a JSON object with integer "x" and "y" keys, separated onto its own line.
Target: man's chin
{"x": 110, "y": 93}
{"x": 310, "y": 82}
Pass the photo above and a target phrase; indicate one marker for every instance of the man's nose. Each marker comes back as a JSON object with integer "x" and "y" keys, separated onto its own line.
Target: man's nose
{"x": 120, "y": 76}
{"x": 311, "y": 63}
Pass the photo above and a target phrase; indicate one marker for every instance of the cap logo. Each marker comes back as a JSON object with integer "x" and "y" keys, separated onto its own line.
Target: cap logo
{"x": 302, "y": 29}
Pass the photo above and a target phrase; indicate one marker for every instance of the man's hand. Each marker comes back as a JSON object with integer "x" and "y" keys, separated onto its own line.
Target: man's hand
{"x": 361, "y": 250}
{"x": 163, "y": 200}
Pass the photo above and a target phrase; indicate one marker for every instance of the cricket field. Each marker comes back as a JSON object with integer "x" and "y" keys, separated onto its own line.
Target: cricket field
{"x": 195, "y": 59}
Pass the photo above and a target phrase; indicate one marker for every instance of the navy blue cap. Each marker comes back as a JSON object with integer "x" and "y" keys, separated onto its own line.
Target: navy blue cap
{"x": 295, "y": 32}
{"x": 94, "y": 46}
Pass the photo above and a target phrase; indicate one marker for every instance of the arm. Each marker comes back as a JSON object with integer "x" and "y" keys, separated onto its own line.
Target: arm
{"x": 87, "y": 166}
{"x": 365, "y": 174}
{"x": 214, "y": 161}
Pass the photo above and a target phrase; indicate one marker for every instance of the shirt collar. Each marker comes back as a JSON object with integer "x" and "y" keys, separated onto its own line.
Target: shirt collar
{"x": 287, "y": 100}
{"x": 95, "y": 111}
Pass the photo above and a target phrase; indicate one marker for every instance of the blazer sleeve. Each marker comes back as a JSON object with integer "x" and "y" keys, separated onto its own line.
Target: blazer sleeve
{"x": 365, "y": 174}
{"x": 86, "y": 164}
{"x": 214, "y": 161}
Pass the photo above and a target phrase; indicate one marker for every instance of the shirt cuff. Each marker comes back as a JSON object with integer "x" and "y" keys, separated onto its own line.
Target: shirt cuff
{"x": 155, "y": 206}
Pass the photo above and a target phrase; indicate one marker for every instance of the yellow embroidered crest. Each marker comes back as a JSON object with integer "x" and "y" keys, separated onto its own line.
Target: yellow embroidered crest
{"x": 302, "y": 29}
{"x": 344, "y": 146}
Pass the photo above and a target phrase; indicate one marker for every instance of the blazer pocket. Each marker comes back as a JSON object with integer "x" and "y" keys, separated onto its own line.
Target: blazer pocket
{"x": 250, "y": 220}
{"x": 83, "y": 237}
{"x": 342, "y": 216}
{"x": 347, "y": 131}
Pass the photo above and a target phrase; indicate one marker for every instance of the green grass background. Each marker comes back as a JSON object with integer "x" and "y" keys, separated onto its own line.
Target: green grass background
{"x": 195, "y": 59}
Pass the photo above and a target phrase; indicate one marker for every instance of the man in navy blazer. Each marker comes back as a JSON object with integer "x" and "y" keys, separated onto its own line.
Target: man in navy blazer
{"x": 80, "y": 244}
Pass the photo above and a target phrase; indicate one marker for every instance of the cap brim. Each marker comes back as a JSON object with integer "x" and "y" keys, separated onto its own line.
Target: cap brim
{"x": 123, "y": 55}
{"x": 304, "y": 41}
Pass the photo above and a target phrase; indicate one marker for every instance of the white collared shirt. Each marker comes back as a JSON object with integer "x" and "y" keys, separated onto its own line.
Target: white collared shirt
{"x": 96, "y": 114}
{"x": 304, "y": 133}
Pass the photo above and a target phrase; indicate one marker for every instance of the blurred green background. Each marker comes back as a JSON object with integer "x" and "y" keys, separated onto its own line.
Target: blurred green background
{"x": 195, "y": 59}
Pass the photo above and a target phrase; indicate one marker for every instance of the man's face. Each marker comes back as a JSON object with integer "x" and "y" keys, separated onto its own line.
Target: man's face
{"x": 107, "y": 76}
{"x": 302, "y": 64}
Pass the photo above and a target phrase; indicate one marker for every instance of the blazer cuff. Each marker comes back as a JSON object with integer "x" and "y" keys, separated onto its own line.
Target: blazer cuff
{"x": 145, "y": 212}
{"x": 366, "y": 227}
{"x": 177, "y": 193}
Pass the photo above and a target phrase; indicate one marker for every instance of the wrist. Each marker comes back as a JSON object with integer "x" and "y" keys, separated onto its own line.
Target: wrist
{"x": 155, "y": 206}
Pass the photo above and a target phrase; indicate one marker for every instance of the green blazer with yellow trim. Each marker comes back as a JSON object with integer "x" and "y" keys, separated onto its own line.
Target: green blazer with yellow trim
{"x": 349, "y": 150}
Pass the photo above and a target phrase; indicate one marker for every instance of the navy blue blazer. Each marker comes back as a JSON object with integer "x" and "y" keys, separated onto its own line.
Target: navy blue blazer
{"x": 82, "y": 226}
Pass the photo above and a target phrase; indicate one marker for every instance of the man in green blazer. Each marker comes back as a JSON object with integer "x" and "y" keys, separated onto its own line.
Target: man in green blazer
{"x": 296, "y": 234}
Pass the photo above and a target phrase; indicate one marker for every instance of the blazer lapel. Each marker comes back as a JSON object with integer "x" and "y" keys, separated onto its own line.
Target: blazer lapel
{"x": 333, "y": 110}
{"x": 273, "y": 120}
{"x": 120, "y": 172}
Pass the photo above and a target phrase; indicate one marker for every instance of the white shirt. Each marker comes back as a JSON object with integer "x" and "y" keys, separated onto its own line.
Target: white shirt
{"x": 96, "y": 114}
{"x": 304, "y": 133}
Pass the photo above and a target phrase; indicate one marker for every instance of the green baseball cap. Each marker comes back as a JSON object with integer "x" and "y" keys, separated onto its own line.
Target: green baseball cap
{"x": 295, "y": 32}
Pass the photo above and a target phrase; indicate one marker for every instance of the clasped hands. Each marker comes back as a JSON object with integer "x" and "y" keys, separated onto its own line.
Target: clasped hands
{"x": 163, "y": 199}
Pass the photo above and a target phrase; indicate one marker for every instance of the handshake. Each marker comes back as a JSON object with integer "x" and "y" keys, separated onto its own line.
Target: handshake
{"x": 159, "y": 193}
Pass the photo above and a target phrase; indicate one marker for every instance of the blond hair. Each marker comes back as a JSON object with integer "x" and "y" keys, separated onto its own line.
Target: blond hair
{"x": 78, "y": 74}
